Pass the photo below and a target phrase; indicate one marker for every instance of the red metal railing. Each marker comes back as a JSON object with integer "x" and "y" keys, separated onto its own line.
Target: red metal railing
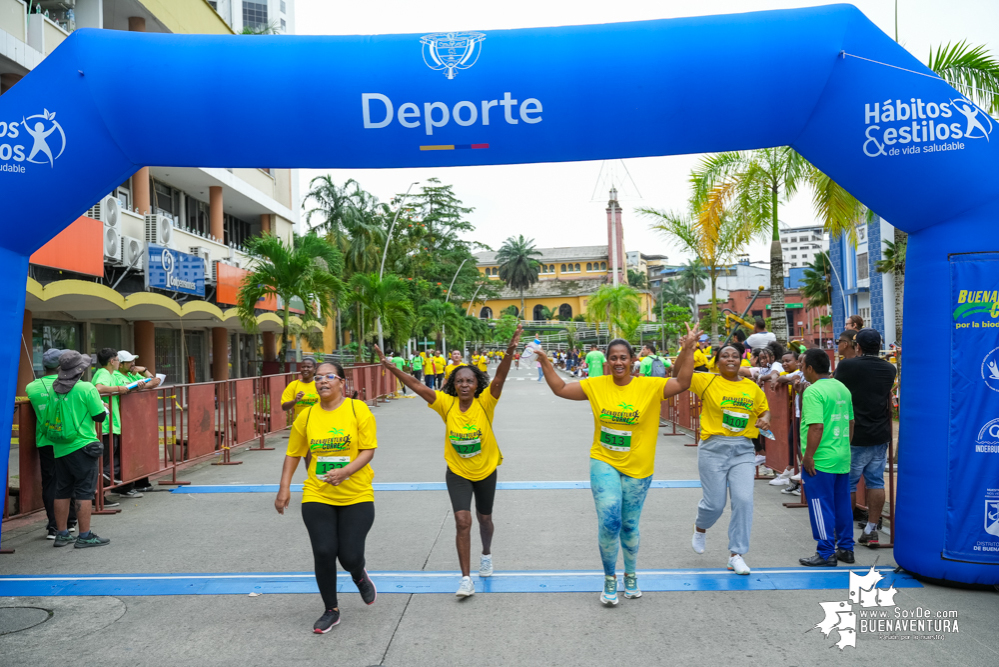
{"x": 169, "y": 428}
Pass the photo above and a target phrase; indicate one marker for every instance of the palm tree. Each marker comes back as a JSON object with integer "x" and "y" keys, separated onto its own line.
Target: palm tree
{"x": 436, "y": 314}
{"x": 817, "y": 284}
{"x": 353, "y": 220}
{"x": 305, "y": 270}
{"x": 693, "y": 277}
{"x": 517, "y": 266}
{"x": 547, "y": 313}
{"x": 611, "y": 304}
{"x": 893, "y": 261}
{"x": 751, "y": 185}
{"x": 674, "y": 292}
{"x": 384, "y": 298}
{"x": 628, "y": 325}
{"x": 637, "y": 279}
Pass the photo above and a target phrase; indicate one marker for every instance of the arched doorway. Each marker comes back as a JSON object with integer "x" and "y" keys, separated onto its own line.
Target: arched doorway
{"x": 486, "y": 313}
{"x": 565, "y": 312}
{"x": 539, "y": 312}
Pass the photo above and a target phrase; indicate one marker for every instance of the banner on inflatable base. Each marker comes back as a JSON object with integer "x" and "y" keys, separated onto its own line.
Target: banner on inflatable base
{"x": 972, "y": 532}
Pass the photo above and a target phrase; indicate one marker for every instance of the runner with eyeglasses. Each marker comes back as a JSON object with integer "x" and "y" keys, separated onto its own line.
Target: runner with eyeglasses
{"x": 467, "y": 404}
{"x": 623, "y": 451}
{"x": 338, "y": 499}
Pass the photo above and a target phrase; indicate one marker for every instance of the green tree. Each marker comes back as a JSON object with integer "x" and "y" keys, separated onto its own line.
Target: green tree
{"x": 511, "y": 311}
{"x": 673, "y": 319}
{"x": 306, "y": 270}
{"x": 673, "y": 292}
{"x": 436, "y": 314}
{"x": 628, "y": 325}
{"x": 751, "y": 185}
{"x": 893, "y": 261}
{"x": 352, "y": 219}
{"x": 693, "y": 277}
{"x": 612, "y": 305}
{"x": 547, "y": 313}
{"x": 506, "y": 325}
{"x": 386, "y": 298}
{"x": 637, "y": 279}
{"x": 517, "y": 266}
{"x": 817, "y": 284}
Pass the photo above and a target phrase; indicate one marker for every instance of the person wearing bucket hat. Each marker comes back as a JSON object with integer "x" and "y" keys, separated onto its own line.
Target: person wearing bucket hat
{"x": 71, "y": 410}
{"x": 38, "y": 392}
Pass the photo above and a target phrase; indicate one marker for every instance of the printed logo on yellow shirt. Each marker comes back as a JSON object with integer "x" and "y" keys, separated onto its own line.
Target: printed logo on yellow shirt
{"x": 467, "y": 444}
{"x": 626, "y": 415}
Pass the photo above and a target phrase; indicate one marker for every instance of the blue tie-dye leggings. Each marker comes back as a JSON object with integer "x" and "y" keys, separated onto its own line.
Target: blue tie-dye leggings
{"x": 619, "y": 501}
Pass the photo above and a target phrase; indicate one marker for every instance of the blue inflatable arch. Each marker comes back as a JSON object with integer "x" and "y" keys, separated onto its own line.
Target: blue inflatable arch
{"x": 901, "y": 140}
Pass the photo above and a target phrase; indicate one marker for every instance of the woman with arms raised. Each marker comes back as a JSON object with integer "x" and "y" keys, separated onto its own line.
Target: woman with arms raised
{"x": 622, "y": 455}
{"x": 467, "y": 403}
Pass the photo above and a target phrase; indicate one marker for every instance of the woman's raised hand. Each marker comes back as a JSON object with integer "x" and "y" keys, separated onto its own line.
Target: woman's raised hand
{"x": 381, "y": 357}
{"x": 692, "y": 335}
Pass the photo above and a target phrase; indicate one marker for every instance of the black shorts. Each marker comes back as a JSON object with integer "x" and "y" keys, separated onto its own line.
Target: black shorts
{"x": 461, "y": 490}
{"x": 76, "y": 476}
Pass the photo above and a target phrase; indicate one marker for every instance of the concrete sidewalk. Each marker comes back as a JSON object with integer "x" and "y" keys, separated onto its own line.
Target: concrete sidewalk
{"x": 543, "y": 438}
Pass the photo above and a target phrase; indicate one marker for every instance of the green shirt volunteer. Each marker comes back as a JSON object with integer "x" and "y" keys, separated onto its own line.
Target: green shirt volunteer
{"x": 83, "y": 404}
{"x": 828, "y": 402}
{"x": 595, "y": 363}
{"x": 38, "y": 393}
{"x": 109, "y": 379}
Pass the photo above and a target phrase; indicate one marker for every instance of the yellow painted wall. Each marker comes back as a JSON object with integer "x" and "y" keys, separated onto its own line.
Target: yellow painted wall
{"x": 189, "y": 17}
{"x": 578, "y": 304}
{"x": 547, "y": 274}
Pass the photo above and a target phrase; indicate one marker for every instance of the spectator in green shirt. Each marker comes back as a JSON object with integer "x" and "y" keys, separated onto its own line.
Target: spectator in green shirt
{"x": 649, "y": 356}
{"x": 111, "y": 383}
{"x": 400, "y": 363}
{"x": 38, "y": 393}
{"x": 826, "y": 431}
{"x": 595, "y": 360}
{"x": 417, "y": 363}
{"x": 76, "y": 464}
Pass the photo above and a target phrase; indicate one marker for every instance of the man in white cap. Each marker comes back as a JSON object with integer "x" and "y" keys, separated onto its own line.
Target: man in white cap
{"x": 38, "y": 393}
{"x": 135, "y": 373}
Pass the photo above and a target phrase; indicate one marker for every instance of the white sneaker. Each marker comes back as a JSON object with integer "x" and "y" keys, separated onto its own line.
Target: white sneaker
{"x": 697, "y": 541}
{"x": 782, "y": 478}
{"x": 486, "y": 566}
{"x": 796, "y": 477}
{"x": 737, "y": 565}
{"x": 760, "y": 460}
{"x": 609, "y": 596}
{"x": 466, "y": 589}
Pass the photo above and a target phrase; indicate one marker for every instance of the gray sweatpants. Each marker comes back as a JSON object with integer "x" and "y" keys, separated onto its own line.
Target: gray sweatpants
{"x": 725, "y": 461}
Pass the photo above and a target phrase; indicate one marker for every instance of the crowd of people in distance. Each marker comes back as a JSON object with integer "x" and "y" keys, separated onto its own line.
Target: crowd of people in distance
{"x": 845, "y": 424}
{"x": 66, "y": 409}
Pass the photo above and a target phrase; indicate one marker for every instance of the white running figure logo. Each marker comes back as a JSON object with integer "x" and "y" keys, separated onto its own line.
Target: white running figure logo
{"x": 971, "y": 115}
{"x": 993, "y": 370}
{"x": 40, "y": 136}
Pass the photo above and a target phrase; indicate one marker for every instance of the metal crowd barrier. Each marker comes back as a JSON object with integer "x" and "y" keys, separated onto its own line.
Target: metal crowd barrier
{"x": 170, "y": 428}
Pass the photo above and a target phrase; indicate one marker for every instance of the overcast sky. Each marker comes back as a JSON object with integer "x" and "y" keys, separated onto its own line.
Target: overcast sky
{"x": 546, "y": 201}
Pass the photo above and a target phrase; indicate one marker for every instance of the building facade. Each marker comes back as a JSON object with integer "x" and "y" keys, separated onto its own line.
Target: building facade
{"x": 106, "y": 281}
{"x": 800, "y": 245}
{"x": 858, "y": 288}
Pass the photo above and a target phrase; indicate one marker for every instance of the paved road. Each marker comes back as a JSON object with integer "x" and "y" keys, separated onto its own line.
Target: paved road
{"x": 543, "y": 438}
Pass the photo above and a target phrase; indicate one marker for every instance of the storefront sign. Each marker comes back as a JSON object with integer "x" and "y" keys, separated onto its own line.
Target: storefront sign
{"x": 174, "y": 270}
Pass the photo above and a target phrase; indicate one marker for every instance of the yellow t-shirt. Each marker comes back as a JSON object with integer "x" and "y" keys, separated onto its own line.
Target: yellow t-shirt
{"x": 439, "y": 364}
{"x": 700, "y": 359}
{"x": 728, "y": 408}
{"x": 470, "y": 447}
{"x": 310, "y": 398}
{"x": 451, "y": 368}
{"x": 483, "y": 363}
{"x": 335, "y": 438}
{"x": 625, "y": 422}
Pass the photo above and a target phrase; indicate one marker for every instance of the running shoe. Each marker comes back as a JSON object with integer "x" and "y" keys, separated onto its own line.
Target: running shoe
{"x": 867, "y": 539}
{"x": 111, "y": 503}
{"x": 51, "y": 534}
{"x": 698, "y": 540}
{"x": 466, "y": 589}
{"x": 796, "y": 477}
{"x": 326, "y": 622}
{"x": 63, "y": 540}
{"x": 760, "y": 460}
{"x": 90, "y": 540}
{"x": 609, "y": 596}
{"x": 366, "y": 588}
{"x": 737, "y": 565}
{"x": 781, "y": 479}
{"x": 132, "y": 493}
{"x": 793, "y": 490}
{"x": 631, "y": 589}
{"x": 486, "y": 565}
{"x": 818, "y": 561}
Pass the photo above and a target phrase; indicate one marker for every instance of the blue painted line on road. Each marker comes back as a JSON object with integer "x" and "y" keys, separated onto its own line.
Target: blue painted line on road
{"x": 762, "y": 579}
{"x": 429, "y": 486}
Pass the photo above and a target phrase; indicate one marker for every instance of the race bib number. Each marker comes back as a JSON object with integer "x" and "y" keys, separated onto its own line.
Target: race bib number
{"x": 324, "y": 464}
{"x": 614, "y": 440}
{"x": 735, "y": 421}
{"x": 466, "y": 449}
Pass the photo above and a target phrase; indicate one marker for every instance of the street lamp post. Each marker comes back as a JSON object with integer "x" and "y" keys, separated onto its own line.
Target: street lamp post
{"x": 381, "y": 270}
{"x": 446, "y": 299}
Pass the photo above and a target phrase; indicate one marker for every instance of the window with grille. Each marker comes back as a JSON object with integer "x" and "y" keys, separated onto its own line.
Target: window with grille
{"x": 254, "y": 14}
{"x": 862, "y": 272}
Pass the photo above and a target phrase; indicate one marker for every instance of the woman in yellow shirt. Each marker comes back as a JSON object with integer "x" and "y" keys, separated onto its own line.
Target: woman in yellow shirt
{"x": 467, "y": 404}
{"x": 338, "y": 501}
{"x": 454, "y": 363}
{"x": 301, "y": 394}
{"x": 733, "y": 410}
{"x": 623, "y": 450}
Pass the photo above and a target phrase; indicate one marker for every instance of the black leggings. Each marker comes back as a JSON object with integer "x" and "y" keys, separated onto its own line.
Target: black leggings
{"x": 461, "y": 490}
{"x": 337, "y": 532}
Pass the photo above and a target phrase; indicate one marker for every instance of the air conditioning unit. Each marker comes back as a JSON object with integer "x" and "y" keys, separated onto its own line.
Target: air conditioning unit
{"x": 112, "y": 245}
{"x": 159, "y": 229}
{"x": 108, "y": 211}
{"x": 215, "y": 270}
{"x": 133, "y": 253}
{"x": 206, "y": 257}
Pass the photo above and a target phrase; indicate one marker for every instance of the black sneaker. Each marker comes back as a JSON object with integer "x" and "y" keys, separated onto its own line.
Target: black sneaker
{"x": 869, "y": 539}
{"x": 111, "y": 503}
{"x": 326, "y": 622}
{"x": 367, "y": 589}
{"x": 144, "y": 489}
{"x": 818, "y": 561}
{"x": 845, "y": 556}
{"x": 90, "y": 540}
{"x": 131, "y": 494}
{"x": 64, "y": 540}
{"x": 51, "y": 534}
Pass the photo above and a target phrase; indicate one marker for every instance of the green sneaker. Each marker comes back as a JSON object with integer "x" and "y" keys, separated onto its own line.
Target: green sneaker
{"x": 90, "y": 540}
{"x": 631, "y": 589}
{"x": 63, "y": 540}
